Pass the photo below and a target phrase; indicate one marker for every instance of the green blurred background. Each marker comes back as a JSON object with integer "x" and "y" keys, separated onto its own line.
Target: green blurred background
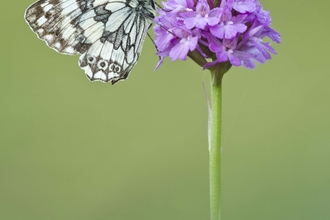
{"x": 75, "y": 150}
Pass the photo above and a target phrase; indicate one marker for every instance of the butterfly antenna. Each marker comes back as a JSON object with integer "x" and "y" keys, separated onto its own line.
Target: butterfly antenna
{"x": 152, "y": 40}
{"x": 160, "y": 7}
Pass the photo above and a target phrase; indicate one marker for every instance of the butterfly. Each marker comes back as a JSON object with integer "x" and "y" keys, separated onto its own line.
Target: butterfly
{"x": 109, "y": 34}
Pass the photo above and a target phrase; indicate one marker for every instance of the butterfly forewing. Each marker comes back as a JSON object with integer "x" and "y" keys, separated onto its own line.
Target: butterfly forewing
{"x": 109, "y": 34}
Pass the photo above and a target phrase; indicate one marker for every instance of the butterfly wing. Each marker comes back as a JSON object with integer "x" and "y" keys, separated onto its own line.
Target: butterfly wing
{"x": 108, "y": 34}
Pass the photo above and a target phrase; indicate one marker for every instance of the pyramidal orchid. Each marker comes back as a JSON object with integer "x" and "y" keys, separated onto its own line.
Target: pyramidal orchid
{"x": 216, "y": 34}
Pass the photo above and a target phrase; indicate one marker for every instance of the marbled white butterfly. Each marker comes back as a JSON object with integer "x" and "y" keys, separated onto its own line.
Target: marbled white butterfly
{"x": 109, "y": 34}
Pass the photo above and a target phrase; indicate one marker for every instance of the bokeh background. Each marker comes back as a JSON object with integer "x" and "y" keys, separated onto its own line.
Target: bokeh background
{"x": 75, "y": 150}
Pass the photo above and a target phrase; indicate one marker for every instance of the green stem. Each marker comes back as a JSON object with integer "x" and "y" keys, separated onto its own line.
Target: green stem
{"x": 215, "y": 144}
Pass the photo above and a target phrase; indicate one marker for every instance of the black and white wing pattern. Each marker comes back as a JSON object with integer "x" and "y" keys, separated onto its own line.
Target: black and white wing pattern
{"x": 109, "y": 34}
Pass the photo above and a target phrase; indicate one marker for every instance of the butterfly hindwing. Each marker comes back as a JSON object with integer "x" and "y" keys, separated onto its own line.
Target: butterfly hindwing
{"x": 108, "y": 34}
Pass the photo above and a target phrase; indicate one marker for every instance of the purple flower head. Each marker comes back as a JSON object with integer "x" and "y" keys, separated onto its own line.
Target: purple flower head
{"x": 233, "y": 31}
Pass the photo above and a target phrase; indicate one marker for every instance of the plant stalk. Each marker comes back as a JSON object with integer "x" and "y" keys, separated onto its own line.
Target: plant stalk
{"x": 215, "y": 144}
